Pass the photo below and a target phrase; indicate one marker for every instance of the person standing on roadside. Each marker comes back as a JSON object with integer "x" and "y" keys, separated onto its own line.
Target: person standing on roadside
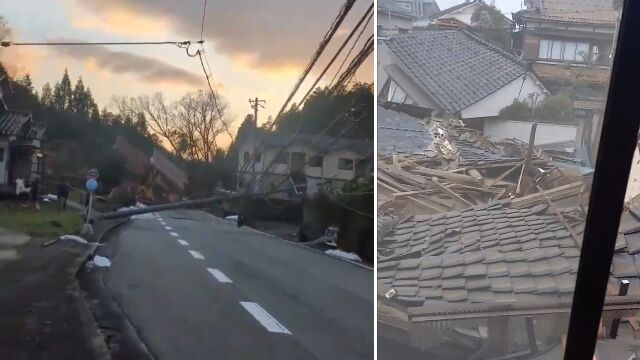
{"x": 63, "y": 195}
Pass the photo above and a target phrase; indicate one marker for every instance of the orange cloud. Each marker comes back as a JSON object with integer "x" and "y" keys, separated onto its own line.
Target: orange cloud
{"x": 117, "y": 20}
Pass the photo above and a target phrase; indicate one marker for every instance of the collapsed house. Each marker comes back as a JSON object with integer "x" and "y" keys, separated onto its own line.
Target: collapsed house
{"x": 479, "y": 242}
{"x": 150, "y": 179}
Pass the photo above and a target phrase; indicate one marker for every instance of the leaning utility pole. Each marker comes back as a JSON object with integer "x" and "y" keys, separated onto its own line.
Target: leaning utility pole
{"x": 255, "y": 104}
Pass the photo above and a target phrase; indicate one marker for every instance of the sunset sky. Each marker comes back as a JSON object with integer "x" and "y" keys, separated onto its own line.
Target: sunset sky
{"x": 255, "y": 47}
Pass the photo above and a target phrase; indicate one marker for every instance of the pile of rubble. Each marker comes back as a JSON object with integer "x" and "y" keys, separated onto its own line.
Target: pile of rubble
{"x": 435, "y": 165}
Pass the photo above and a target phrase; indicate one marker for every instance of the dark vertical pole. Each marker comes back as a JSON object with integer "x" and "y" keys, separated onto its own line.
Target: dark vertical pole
{"x": 531, "y": 334}
{"x": 624, "y": 288}
{"x": 522, "y": 183}
{"x": 615, "y": 154}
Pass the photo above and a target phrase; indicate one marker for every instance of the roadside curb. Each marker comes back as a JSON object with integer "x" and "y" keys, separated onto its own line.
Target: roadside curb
{"x": 101, "y": 351}
{"x": 300, "y": 245}
{"x": 109, "y": 319}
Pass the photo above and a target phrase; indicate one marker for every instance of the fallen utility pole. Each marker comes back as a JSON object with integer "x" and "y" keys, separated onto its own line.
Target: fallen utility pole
{"x": 164, "y": 207}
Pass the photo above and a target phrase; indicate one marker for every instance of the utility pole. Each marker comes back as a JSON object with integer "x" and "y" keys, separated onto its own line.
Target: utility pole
{"x": 255, "y": 105}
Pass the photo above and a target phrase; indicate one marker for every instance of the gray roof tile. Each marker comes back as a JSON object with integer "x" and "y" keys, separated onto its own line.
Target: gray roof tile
{"x": 454, "y": 66}
{"x": 454, "y": 295}
{"x": 523, "y": 285}
{"x": 501, "y": 284}
{"x": 497, "y": 269}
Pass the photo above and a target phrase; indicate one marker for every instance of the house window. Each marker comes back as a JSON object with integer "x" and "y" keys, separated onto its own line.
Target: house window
{"x": 258, "y": 156}
{"x": 405, "y": 5}
{"x": 246, "y": 157}
{"x": 282, "y": 158}
{"x": 397, "y": 95}
{"x": 345, "y": 164}
{"x": 563, "y": 50}
{"x": 1, "y": 154}
{"x": 316, "y": 161}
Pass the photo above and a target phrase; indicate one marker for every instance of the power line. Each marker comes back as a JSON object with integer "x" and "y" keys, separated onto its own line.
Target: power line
{"x": 355, "y": 64}
{"x": 90, "y": 43}
{"x": 351, "y": 49}
{"x": 342, "y": 14}
{"x": 204, "y": 13}
{"x": 335, "y": 56}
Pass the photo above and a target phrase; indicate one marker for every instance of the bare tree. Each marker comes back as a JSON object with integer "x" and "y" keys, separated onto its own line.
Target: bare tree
{"x": 190, "y": 126}
{"x": 158, "y": 114}
{"x": 200, "y": 123}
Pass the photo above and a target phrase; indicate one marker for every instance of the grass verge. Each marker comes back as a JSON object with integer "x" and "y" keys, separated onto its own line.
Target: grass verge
{"x": 47, "y": 221}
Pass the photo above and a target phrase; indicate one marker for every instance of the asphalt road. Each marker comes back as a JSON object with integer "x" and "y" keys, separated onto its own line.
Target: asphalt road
{"x": 197, "y": 287}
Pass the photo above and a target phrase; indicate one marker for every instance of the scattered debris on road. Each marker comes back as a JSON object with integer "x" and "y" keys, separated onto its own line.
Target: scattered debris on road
{"x": 99, "y": 261}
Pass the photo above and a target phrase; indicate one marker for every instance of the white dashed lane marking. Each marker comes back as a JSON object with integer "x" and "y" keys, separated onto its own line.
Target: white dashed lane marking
{"x": 219, "y": 276}
{"x": 196, "y": 255}
{"x": 264, "y": 318}
{"x": 174, "y": 234}
{"x": 168, "y": 228}
{"x": 183, "y": 243}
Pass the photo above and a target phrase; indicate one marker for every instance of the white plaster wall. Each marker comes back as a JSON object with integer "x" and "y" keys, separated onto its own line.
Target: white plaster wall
{"x": 491, "y": 105}
{"x": 497, "y": 129}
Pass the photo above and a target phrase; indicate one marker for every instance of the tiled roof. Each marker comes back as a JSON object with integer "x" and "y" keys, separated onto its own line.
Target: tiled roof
{"x": 17, "y": 123}
{"x": 453, "y": 8}
{"x": 168, "y": 169}
{"x": 573, "y": 11}
{"x": 399, "y": 133}
{"x": 565, "y": 72}
{"x": 589, "y": 104}
{"x": 487, "y": 254}
{"x": 455, "y": 67}
{"x": 135, "y": 160}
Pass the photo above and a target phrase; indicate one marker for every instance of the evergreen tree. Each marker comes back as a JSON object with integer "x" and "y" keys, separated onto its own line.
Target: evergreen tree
{"x": 46, "y": 95}
{"x": 26, "y": 82}
{"x": 80, "y": 100}
{"x": 62, "y": 93}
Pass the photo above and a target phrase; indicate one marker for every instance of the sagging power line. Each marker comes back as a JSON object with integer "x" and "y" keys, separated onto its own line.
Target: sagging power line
{"x": 342, "y": 14}
{"x": 94, "y": 43}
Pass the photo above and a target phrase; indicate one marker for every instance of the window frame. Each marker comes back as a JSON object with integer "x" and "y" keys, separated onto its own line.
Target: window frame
{"x": 615, "y": 154}
{"x": 352, "y": 162}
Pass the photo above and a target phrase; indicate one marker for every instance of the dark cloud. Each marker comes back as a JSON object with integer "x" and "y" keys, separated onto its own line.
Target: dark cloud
{"x": 275, "y": 33}
{"x": 121, "y": 62}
